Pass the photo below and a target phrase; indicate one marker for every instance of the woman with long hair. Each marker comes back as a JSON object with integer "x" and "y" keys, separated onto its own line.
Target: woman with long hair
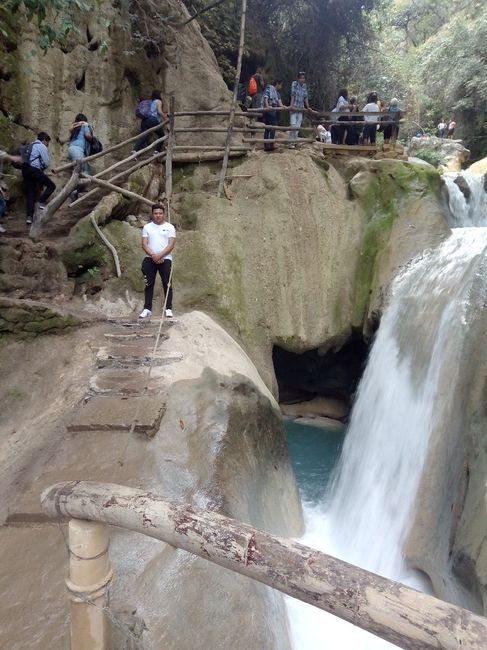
{"x": 79, "y": 139}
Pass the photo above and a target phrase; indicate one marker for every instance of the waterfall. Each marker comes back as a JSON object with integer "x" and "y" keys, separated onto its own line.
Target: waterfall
{"x": 470, "y": 210}
{"x": 366, "y": 515}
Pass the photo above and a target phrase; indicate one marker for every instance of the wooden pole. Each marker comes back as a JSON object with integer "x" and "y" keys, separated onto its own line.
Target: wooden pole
{"x": 200, "y": 147}
{"x": 394, "y": 612}
{"x": 125, "y": 172}
{"x": 170, "y": 146}
{"x": 134, "y": 155}
{"x": 89, "y": 576}
{"x": 298, "y": 140}
{"x": 108, "y": 149}
{"x": 120, "y": 190}
{"x": 205, "y": 156}
{"x": 41, "y": 216}
{"x": 234, "y": 100}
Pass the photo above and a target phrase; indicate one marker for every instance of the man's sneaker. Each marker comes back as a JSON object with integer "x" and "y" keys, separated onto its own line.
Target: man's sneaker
{"x": 28, "y": 220}
{"x": 2, "y": 229}
{"x": 145, "y": 313}
{"x": 169, "y": 313}
{"x": 41, "y": 206}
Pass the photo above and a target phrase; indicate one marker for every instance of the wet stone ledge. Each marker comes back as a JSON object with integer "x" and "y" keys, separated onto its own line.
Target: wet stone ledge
{"x": 27, "y": 319}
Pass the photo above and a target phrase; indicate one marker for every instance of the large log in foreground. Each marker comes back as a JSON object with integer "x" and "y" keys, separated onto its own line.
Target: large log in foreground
{"x": 401, "y": 615}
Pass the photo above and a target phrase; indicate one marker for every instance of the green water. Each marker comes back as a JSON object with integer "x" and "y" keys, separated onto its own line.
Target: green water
{"x": 314, "y": 452}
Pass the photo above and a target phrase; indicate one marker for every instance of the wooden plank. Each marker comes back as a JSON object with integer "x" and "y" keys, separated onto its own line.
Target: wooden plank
{"x": 349, "y": 148}
{"x": 388, "y": 609}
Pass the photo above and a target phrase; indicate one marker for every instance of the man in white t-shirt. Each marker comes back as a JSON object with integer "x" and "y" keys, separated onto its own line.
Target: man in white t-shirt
{"x": 158, "y": 239}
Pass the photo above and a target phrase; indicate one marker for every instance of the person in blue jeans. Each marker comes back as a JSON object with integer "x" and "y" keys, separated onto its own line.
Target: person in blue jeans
{"x": 157, "y": 116}
{"x": 271, "y": 99}
{"x": 79, "y": 139}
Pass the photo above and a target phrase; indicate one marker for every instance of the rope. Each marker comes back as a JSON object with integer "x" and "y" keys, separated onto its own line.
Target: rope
{"x": 85, "y": 598}
{"x": 121, "y": 459}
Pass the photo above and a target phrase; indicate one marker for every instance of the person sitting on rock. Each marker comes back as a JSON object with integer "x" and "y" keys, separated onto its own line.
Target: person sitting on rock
{"x": 80, "y": 135}
{"x": 158, "y": 239}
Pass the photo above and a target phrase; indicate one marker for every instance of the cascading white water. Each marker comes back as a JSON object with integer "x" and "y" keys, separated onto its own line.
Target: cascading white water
{"x": 366, "y": 516}
{"x": 468, "y": 210}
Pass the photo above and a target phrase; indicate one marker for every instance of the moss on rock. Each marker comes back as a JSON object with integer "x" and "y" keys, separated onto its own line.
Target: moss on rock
{"x": 28, "y": 319}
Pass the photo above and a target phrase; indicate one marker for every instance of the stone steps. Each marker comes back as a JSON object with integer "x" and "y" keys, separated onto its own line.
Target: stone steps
{"x": 119, "y": 413}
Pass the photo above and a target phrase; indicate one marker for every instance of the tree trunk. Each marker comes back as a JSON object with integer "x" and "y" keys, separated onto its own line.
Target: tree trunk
{"x": 403, "y": 616}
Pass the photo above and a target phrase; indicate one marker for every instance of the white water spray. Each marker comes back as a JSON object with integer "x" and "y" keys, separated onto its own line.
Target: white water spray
{"x": 367, "y": 515}
{"x": 467, "y": 207}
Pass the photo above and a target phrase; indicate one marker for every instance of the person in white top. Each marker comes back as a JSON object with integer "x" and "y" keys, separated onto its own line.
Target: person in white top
{"x": 158, "y": 239}
{"x": 442, "y": 128}
{"x": 370, "y": 128}
{"x": 341, "y": 106}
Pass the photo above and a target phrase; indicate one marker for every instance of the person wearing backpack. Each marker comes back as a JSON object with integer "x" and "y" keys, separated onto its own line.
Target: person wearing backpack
{"x": 80, "y": 137}
{"x": 35, "y": 158}
{"x": 151, "y": 115}
{"x": 256, "y": 88}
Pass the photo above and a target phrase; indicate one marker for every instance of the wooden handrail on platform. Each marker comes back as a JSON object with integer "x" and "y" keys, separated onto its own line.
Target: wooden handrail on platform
{"x": 108, "y": 149}
{"x": 390, "y": 610}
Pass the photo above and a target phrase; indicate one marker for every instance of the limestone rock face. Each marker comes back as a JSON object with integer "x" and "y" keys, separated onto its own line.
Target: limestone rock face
{"x": 297, "y": 258}
{"x": 450, "y": 154}
{"x": 449, "y": 532}
{"x": 114, "y": 59}
{"x": 220, "y": 446}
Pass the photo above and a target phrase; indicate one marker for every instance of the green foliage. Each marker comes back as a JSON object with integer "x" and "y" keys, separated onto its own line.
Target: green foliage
{"x": 432, "y": 156}
{"x": 286, "y": 36}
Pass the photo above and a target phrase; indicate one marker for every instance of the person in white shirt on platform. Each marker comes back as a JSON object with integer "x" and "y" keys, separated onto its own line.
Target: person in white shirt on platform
{"x": 370, "y": 128}
{"x": 158, "y": 239}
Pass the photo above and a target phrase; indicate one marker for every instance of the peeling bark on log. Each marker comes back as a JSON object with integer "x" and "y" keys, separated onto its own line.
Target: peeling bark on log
{"x": 408, "y": 618}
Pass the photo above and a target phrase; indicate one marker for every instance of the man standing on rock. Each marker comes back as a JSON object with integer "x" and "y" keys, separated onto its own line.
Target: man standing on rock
{"x": 299, "y": 100}
{"x": 158, "y": 239}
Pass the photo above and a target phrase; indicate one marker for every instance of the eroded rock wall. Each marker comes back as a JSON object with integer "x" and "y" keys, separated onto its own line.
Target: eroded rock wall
{"x": 117, "y": 56}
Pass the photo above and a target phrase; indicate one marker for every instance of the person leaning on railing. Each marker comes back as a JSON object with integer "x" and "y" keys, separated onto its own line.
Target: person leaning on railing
{"x": 391, "y": 131}
{"x": 341, "y": 106}
{"x": 271, "y": 99}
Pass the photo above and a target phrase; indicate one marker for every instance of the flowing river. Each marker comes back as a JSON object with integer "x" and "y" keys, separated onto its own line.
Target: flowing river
{"x": 364, "y": 514}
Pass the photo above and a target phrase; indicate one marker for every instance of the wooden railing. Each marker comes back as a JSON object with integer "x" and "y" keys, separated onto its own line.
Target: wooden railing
{"x": 392, "y": 611}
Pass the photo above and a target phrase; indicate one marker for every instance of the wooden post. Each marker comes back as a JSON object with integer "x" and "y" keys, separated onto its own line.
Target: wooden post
{"x": 394, "y": 612}
{"x": 89, "y": 576}
{"x": 41, "y": 216}
{"x": 170, "y": 146}
{"x": 234, "y": 100}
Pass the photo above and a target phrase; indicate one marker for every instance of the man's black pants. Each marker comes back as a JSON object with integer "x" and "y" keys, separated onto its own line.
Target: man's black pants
{"x": 150, "y": 269}
{"x": 35, "y": 179}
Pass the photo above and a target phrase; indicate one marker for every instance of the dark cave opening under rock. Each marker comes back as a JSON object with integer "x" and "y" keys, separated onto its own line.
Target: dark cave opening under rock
{"x": 333, "y": 374}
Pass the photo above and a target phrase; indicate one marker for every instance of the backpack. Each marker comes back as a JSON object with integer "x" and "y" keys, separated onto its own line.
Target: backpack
{"x": 22, "y": 153}
{"x": 252, "y": 86}
{"x": 94, "y": 146}
{"x": 143, "y": 109}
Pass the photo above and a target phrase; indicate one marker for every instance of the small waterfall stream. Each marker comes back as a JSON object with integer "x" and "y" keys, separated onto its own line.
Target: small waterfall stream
{"x": 365, "y": 516}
